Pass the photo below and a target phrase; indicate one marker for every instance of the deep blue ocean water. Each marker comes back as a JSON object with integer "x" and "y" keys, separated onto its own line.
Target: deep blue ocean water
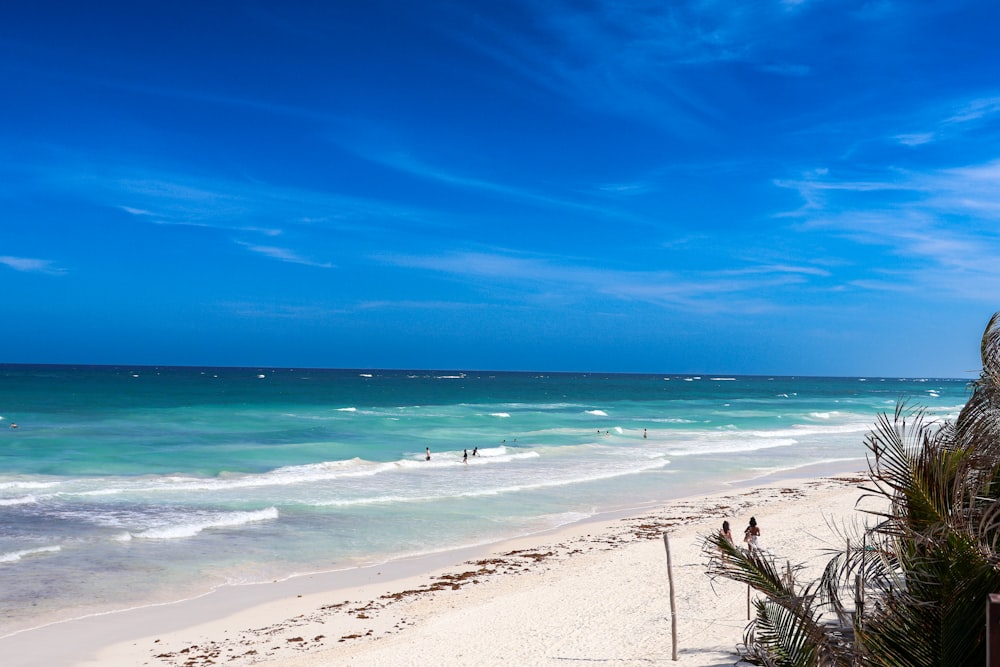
{"x": 123, "y": 486}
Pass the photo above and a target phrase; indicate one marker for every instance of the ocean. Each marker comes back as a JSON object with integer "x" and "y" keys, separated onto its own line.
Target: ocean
{"x": 128, "y": 486}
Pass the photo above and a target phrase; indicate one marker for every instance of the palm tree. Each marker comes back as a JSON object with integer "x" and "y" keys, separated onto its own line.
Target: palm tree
{"x": 910, "y": 589}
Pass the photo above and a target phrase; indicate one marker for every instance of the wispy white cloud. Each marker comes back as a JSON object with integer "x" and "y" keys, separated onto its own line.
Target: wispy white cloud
{"x": 975, "y": 110}
{"x": 411, "y": 165}
{"x": 411, "y": 304}
{"x": 892, "y": 286}
{"x": 940, "y": 235}
{"x": 209, "y": 222}
{"x": 706, "y": 291}
{"x": 811, "y": 185}
{"x": 284, "y": 255}
{"x": 32, "y": 265}
{"x": 781, "y": 269}
{"x": 819, "y": 187}
{"x": 600, "y": 58}
{"x": 636, "y": 58}
{"x": 414, "y": 166}
{"x": 971, "y": 190}
{"x": 948, "y": 120}
{"x": 627, "y": 189}
{"x": 167, "y": 197}
{"x": 272, "y": 310}
{"x": 916, "y": 138}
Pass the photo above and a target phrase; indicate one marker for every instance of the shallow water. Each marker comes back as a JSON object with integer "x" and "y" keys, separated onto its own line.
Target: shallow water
{"x": 124, "y": 486}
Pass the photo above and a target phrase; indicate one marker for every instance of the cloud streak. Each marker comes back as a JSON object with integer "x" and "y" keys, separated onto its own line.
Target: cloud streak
{"x": 641, "y": 59}
{"x": 32, "y": 265}
{"x": 940, "y": 231}
{"x": 284, "y": 255}
{"x": 706, "y": 291}
{"x": 410, "y": 165}
{"x": 950, "y": 121}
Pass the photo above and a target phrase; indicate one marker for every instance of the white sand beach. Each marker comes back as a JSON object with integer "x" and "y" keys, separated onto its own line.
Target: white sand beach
{"x": 591, "y": 593}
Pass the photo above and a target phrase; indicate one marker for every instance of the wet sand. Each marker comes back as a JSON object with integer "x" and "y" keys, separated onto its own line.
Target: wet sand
{"x": 593, "y": 592}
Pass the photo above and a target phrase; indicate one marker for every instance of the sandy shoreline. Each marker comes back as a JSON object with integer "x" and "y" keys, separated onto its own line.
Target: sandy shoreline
{"x": 591, "y": 592}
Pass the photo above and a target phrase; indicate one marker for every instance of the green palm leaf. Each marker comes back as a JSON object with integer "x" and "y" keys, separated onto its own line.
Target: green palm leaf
{"x": 912, "y": 588}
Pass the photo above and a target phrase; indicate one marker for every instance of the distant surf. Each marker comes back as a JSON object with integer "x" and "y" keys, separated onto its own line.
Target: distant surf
{"x": 128, "y": 485}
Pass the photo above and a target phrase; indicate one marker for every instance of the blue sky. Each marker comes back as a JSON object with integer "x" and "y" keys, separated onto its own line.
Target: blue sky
{"x": 773, "y": 187}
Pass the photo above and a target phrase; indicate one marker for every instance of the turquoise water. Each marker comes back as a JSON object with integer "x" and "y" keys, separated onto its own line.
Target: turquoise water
{"x": 126, "y": 486}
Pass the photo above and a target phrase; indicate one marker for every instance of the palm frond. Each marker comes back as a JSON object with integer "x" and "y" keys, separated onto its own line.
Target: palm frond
{"x": 786, "y": 636}
{"x": 746, "y": 566}
{"x": 914, "y": 585}
{"x": 788, "y": 624}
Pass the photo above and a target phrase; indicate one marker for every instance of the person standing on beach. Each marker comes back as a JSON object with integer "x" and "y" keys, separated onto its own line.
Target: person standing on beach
{"x": 428, "y": 454}
{"x": 751, "y": 534}
{"x": 475, "y": 451}
{"x": 465, "y": 456}
{"x": 726, "y": 533}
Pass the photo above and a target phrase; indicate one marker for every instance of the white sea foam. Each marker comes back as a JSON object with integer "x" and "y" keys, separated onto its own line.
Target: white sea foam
{"x": 312, "y": 473}
{"x": 20, "y": 500}
{"x": 777, "y": 470}
{"x": 287, "y": 475}
{"x": 564, "y": 518}
{"x": 492, "y": 451}
{"x": 448, "y": 459}
{"x": 27, "y": 485}
{"x": 192, "y": 528}
{"x": 751, "y": 414}
{"x": 108, "y": 491}
{"x": 645, "y": 466}
{"x": 730, "y": 446}
{"x": 120, "y": 523}
{"x": 670, "y": 420}
{"x": 724, "y": 379}
{"x": 14, "y": 556}
{"x": 800, "y": 430}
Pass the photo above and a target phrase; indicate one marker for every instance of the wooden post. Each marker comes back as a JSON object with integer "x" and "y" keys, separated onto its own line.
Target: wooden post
{"x": 859, "y": 605}
{"x": 673, "y": 605}
{"x": 993, "y": 631}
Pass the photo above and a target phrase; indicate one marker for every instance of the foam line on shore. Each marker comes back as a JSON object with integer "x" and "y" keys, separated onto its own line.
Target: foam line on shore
{"x": 335, "y": 616}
